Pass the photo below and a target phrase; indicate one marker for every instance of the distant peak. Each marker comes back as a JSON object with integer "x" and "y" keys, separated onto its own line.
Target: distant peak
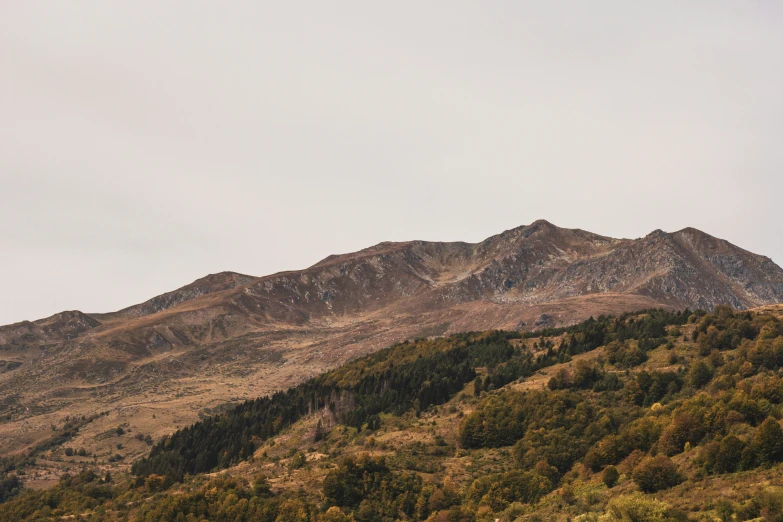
{"x": 525, "y": 231}
{"x": 538, "y": 226}
{"x": 690, "y": 231}
{"x": 542, "y": 223}
{"x": 69, "y": 313}
{"x": 227, "y": 274}
{"x": 656, "y": 233}
{"x": 220, "y": 279}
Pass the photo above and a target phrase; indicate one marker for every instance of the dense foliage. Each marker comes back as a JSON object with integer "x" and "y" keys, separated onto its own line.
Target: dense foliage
{"x": 355, "y": 394}
{"x": 369, "y": 487}
{"x": 9, "y": 486}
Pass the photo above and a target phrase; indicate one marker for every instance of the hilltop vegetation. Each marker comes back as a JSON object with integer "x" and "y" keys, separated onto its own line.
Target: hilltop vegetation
{"x": 648, "y": 416}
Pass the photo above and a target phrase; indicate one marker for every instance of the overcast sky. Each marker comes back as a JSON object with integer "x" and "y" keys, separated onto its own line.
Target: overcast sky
{"x": 146, "y": 144}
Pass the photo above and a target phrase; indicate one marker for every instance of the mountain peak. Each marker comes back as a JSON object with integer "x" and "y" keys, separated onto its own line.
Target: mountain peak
{"x": 540, "y": 226}
{"x": 656, "y": 234}
{"x": 542, "y": 223}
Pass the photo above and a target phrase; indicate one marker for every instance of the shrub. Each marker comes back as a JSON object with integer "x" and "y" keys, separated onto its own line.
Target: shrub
{"x": 610, "y": 476}
{"x": 656, "y": 473}
{"x": 261, "y": 486}
{"x": 499, "y": 490}
{"x": 299, "y": 460}
{"x": 637, "y": 508}
{"x": 764, "y": 505}
{"x": 155, "y": 483}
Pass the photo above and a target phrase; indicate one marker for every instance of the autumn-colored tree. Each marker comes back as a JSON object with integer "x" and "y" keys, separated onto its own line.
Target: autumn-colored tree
{"x": 154, "y": 483}
{"x": 656, "y": 473}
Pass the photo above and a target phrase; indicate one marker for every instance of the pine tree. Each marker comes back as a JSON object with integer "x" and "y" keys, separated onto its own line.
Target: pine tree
{"x": 477, "y": 386}
{"x": 319, "y": 431}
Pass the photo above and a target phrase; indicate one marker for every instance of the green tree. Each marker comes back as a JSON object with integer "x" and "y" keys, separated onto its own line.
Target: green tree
{"x": 478, "y": 386}
{"x": 729, "y": 454}
{"x": 699, "y": 374}
{"x": 298, "y": 461}
{"x": 768, "y": 441}
{"x": 609, "y": 476}
{"x": 319, "y": 431}
{"x": 261, "y": 486}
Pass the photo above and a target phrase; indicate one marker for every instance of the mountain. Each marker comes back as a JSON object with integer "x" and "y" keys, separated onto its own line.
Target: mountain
{"x": 228, "y": 337}
{"x": 654, "y": 416}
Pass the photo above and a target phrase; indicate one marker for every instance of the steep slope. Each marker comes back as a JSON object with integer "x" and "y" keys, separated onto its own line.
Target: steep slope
{"x": 230, "y": 336}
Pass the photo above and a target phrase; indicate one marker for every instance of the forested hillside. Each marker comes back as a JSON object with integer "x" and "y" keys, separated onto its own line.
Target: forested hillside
{"x": 654, "y": 415}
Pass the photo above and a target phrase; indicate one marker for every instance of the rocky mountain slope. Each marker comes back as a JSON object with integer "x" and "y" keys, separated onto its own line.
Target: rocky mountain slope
{"x": 230, "y": 336}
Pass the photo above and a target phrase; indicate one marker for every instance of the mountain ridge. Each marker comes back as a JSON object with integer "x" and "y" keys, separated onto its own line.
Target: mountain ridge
{"x": 228, "y": 280}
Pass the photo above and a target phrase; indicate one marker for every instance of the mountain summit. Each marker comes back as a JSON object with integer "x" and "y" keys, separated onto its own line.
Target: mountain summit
{"x": 230, "y": 336}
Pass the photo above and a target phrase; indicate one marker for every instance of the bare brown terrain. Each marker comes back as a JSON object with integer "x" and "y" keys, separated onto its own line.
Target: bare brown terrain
{"x": 227, "y": 337}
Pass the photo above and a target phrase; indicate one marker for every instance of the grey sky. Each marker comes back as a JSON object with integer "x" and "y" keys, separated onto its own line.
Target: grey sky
{"x": 146, "y": 144}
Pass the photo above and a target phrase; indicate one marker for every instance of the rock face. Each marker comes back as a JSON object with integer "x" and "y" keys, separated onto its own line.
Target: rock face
{"x": 270, "y": 332}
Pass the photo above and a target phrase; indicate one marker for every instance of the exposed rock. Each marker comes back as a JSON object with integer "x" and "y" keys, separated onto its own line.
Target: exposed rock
{"x": 545, "y": 321}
